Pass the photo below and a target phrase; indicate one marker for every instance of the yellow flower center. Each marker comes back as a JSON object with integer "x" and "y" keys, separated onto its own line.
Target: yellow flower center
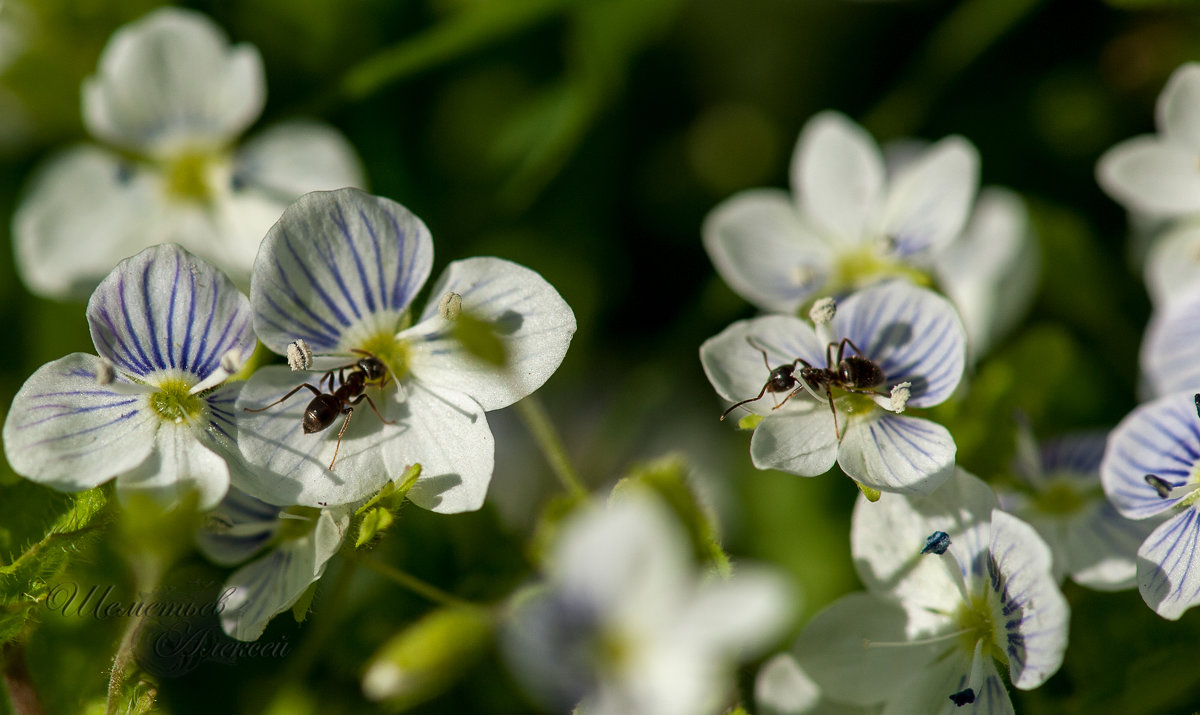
{"x": 1062, "y": 497}
{"x": 174, "y": 403}
{"x": 189, "y": 177}
{"x": 866, "y": 264}
{"x": 393, "y": 352}
{"x": 977, "y": 624}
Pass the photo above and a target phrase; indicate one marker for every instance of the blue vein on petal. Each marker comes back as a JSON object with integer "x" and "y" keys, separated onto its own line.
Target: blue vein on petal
{"x": 323, "y": 247}
{"x": 93, "y": 428}
{"x": 1181, "y": 524}
{"x": 171, "y": 316}
{"x": 895, "y": 430}
{"x": 1080, "y": 454}
{"x": 339, "y": 219}
{"x": 337, "y": 313}
{"x": 148, "y": 309}
{"x": 375, "y": 247}
{"x": 132, "y": 335}
{"x": 184, "y": 363}
{"x": 71, "y": 410}
{"x": 401, "y": 294}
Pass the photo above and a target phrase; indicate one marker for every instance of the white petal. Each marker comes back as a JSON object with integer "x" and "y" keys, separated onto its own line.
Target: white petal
{"x": 448, "y": 434}
{"x": 1173, "y": 265}
{"x": 1034, "y": 634}
{"x": 991, "y": 271}
{"x": 170, "y": 83}
{"x": 783, "y": 688}
{"x": 82, "y": 192}
{"x": 762, "y": 249}
{"x": 165, "y": 309}
{"x": 928, "y": 200}
{"x": 1101, "y": 548}
{"x": 1160, "y": 438}
{"x": 743, "y": 614}
{"x": 271, "y": 584}
{"x": 1167, "y": 574}
{"x": 293, "y": 465}
{"x": 66, "y": 431}
{"x": 886, "y": 539}
{"x": 237, "y": 528}
{"x": 179, "y": 466}
{"x": 837, "y": 176}
{"x": 295, "y": 157}
{"x": 531, "y": 319}
{"x": 912, "y": 334}
{"x": 1178, "y": 110}
{"x": 736, "y": 368}
{"x": 1149, "y": 175}
{"x": 897, "y": 453}
{"x": 928, "y": 692}
{"x": 337, "y": 261}
{"x": 803, "y": 443}
{"x": 835, "y": 648}
{"x": 1170, "y": 353}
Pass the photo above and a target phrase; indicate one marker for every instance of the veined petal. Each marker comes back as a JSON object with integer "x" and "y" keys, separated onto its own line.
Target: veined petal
{"x": 83, "y": 191}
{"x": 271, "y": 584}
{"x": 1160, "y": 438}
{"x": 1168, "y": 572}
{"x": 448, "y": 434}
{"x": 237, "y": 528}
{"x": 928, "y": 692}
{"x": 292, "y": 467}
{"x": 896, "y": 453}
{"x": 929, "y": 199}
{"x": 1077, "y": 454}
{"x": 1178, "y": 110}
{"x": 165, "y": 309}
{"x": 736, "y": 368}
{"x": 337, "y": 261}
{"x": 295, "y": 157}
{"x": 1031, "y": 614}
{"x": 763, "y": 250}
{"x": 170, "y": 83}
{"x": 912, "y": 334}
{"x": 835, "y": 648}
{"x": 1170, "y": 353}
{"x": 1173, "y": 265}
{"x": 886, "y": 539}
{"x": 803, "y": 443}
{"x": 1100, "y": 548}
{"x": 837, "y": 176}
{"x": 529, "y": 317}
{"x": 179, "y": 465}
{"x": 68, "y": 432}
{"x": 1152, "y": 176}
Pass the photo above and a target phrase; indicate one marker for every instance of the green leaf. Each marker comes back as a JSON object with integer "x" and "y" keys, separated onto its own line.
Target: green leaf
{"x": 668, "y": 478}
{"x": 373, "y": 522}
{"x": 379, "y": 512}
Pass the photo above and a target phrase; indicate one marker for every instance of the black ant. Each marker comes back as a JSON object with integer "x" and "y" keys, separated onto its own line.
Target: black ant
{"x": 327, "y": 405}
{"x": 853, "y": 373}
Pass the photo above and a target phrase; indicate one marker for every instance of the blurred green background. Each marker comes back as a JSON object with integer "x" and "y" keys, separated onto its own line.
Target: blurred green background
{"x": 587, "y": 139}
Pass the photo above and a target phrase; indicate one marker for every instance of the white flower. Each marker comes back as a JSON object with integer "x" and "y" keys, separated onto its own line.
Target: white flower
{"x": 844, "y": 224}
{"x": 1170, "y": 352}
{"x": 339, "y": 271}
{"x": 954, "y": 585}
{"x": 296, "y": 543}
{"x": 1064, "y": 502}
{"x": 1173, "y": 265}
{"x": 1150, "y": 469}
{"x": 784, "y": 688}
{"x": 171, "y": 97}
{"x": 1157, "y": 175}
{"x": 911, "y": 334}
{"x": 624, "y": 626}
{"x": 169, "y": 328}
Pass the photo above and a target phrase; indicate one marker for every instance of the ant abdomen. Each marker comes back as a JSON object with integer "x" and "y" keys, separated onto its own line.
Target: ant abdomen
{"x": 860, "y": 372}
{"x": 320, "y": 413}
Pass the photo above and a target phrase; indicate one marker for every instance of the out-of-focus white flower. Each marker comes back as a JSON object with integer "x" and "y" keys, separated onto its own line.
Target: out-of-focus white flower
{"x": 625, "y": 626}
{"x": 1170, "y": 352}
{"x": 170, "y": 98}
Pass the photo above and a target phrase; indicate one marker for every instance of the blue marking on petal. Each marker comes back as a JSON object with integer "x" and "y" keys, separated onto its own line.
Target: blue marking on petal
{"x": 152, "y": 332}
{"x": 333, "y": 308}
{"x": 170, "y": 317}
{"x": 323, "y": 247}
{"x": 401, "y": 294}
{"x": 379, "y": 279}
{"x": 316, "y": 337}
{"x": 69, "y": 409}
{"x": 93, "y": 428}
{"x": 129, "y": 325}
{"x": 340, "y": 220}
{"x": 184, "y": 363}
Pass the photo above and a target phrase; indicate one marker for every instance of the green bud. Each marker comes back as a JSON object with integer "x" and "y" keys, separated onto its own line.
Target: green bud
{"x": 872, "y": 495}
{"x": 423, "y": 660}
{"x": 749, "y": 422}
{"x": 373, "y": 522}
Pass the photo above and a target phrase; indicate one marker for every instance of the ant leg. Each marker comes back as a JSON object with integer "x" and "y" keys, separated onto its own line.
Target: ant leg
{"x": 342, "y": 431}
{"x": 829, "y": 394}
{"x": 761, "y": 392}
{"x": 761, "y": 349}
{"x": 315, "y": 391}
{"x": 848, "y": 341}
{"x": 371, "y": 402}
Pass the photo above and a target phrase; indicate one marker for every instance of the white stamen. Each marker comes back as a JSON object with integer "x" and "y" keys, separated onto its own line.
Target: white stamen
{"x": 231, "y": 362}
{"x": 823, "y": 311}
{"x": 900, "y": 394}
{"x": 868, "y": 643}
{"x": 450, "y": 306}
{"x": 105, "y": 373}
{"x": 106, "y": 377}
{"x": 299, "y": 355}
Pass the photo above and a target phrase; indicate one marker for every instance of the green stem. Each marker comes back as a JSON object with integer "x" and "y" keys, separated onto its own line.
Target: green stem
{"x": 966, "y": 33}
{"x": 412, "y": 583}
{"x": 534, "y": 415}
{"x": 147, "y": 573}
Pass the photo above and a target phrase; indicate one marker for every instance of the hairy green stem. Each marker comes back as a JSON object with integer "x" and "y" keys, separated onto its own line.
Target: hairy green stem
{"x": 147, "y": 575}
{"x": 412, "y": 583}
{"x": 538, "y": 421}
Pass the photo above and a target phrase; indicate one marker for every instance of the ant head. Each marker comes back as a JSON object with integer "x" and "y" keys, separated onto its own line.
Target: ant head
{"x": 372, "y": 367}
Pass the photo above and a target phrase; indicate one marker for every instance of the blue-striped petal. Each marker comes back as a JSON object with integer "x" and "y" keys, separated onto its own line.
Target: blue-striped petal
{"x": 237, "y": 528}
{"x": 292, "y": 467}
{"x": 928, "y": 691}
{"x": 271, "y": 584}
{"x": 1075, "y": 454}
{"x": 912, "y": 334}
{"x": 165, "y": 309}
{"x": 69, "y": 432}
{"x": 897, "y": 453}
{"x": 528, "y": 316}
{"x": 338, "y": 267}
{"x": 1168, "y": 565}
{"x": 1160, "y": 438}
{"x": 736, "y": 368}
{"x": 1170, "y": 354}
{"x": 1030, "y": 614}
